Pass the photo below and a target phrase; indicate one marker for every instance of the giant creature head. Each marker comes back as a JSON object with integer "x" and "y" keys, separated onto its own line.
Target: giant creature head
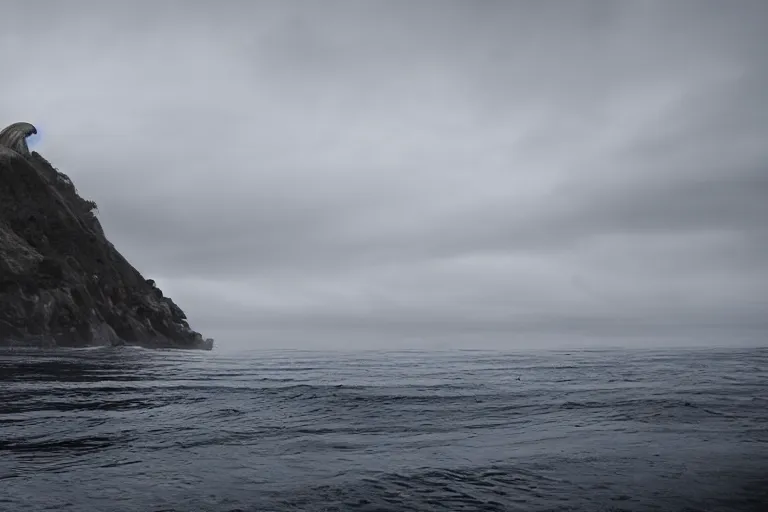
{"x": 15, "y": 137}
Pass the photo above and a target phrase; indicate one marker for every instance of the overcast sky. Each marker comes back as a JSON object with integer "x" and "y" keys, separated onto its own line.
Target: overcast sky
{"x": 417, "y": 173}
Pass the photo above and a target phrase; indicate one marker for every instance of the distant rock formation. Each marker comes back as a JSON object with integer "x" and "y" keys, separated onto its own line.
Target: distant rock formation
{"x": 15, "y": 137}
{"x": 62, "y": 283}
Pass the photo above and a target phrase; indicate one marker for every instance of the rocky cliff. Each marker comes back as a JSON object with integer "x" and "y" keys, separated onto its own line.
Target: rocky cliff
{"x": 62, "y": 283}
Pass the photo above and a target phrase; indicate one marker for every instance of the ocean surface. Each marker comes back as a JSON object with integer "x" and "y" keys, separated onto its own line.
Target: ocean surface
{"x": 599, "y": 430}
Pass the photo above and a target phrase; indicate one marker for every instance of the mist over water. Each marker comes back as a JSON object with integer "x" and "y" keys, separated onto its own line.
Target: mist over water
{"x": 136, "y": 430}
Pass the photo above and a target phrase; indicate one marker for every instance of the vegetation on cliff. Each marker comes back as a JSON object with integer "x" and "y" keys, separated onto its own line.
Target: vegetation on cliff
{"x": 62, "y": 283}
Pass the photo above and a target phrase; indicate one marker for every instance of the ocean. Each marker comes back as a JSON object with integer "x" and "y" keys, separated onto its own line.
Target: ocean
{"x": 595, "y": 430}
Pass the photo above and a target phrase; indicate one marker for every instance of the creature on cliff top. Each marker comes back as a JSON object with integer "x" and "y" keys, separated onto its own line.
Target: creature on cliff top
{"x": 15, "y": 137}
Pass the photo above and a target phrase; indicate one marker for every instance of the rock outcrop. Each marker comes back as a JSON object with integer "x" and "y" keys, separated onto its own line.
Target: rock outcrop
{"x": 62, "y": 283}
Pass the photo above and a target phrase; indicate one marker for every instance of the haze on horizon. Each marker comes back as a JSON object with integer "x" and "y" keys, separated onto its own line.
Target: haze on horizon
{"x": 417, "y": 174}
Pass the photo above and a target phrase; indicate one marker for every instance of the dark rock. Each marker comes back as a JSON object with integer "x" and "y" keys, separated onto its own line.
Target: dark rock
{"x": 62, "y": 283}
{"x": 178, "y": 314}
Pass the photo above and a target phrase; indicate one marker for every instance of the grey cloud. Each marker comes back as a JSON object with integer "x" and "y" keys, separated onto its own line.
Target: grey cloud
{"x": 400, "y": 171}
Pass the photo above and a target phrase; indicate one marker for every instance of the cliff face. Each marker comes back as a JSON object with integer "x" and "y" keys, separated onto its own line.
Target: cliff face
{"x": 62, "y": 283}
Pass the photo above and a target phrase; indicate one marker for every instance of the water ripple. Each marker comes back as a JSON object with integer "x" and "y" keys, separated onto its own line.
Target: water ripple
{"x": 131, "y": 429}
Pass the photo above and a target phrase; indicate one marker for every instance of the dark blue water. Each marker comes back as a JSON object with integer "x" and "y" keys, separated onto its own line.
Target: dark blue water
{"x": 137, "y": 430}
